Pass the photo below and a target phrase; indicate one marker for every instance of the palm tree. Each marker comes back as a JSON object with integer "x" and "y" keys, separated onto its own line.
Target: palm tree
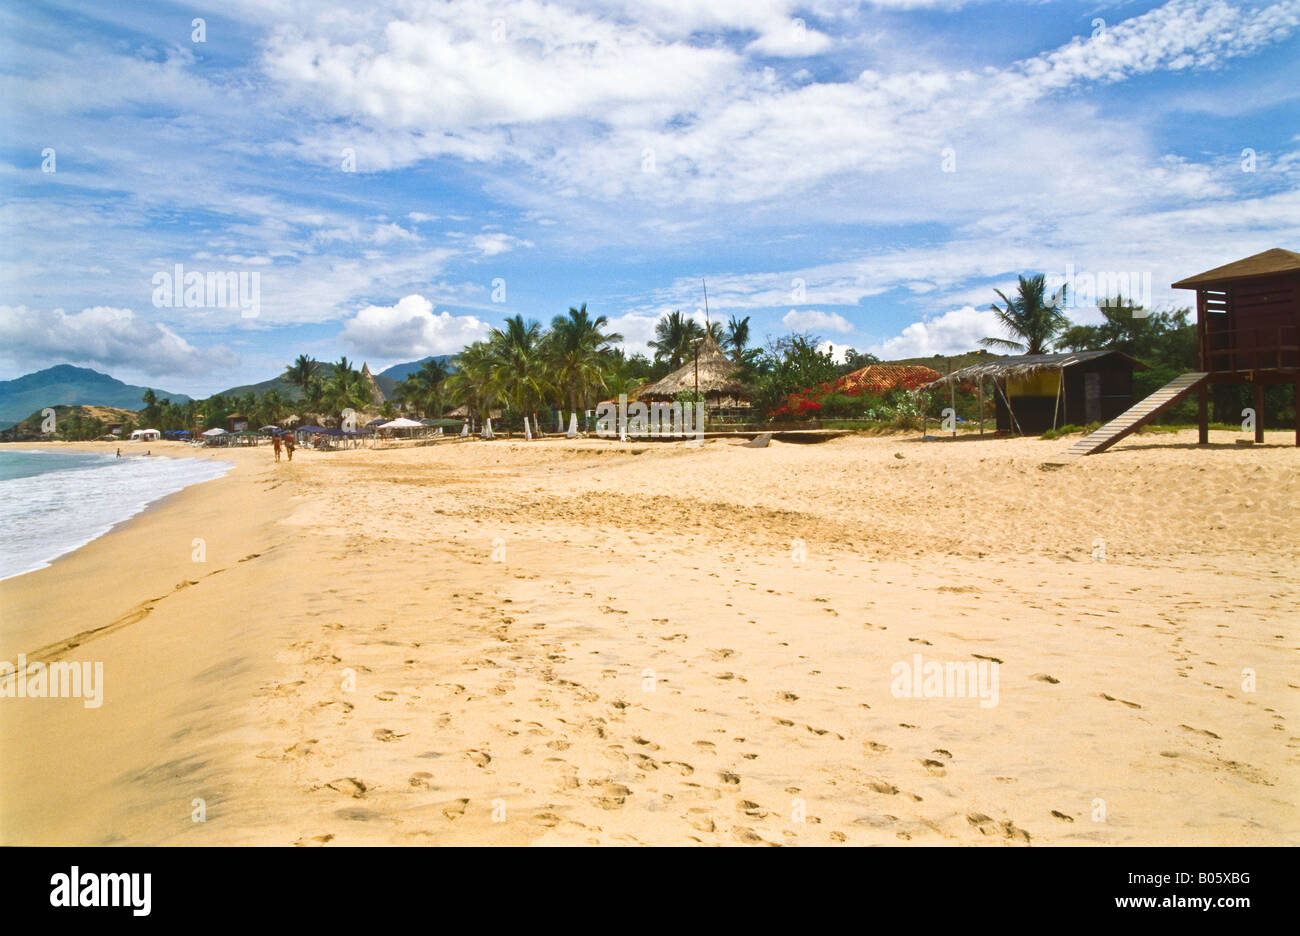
{"x": 272, "y": 407}
{"x": 737, "y": 337}
{"x": 675, "y": 337}
{"x": 473, "y": 382}
{"x": 301, "y": 371}
{"x": 424, "y": 388}
{"x": 346, "y": 389}
{"x": 520, "y": 367}
{"x": 314, "y": 394}
{"x": 1028, "y": 318}
{"x": 579, "y": 352}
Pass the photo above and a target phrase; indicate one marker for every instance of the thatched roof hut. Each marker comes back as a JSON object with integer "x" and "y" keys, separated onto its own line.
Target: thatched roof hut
{"x": 716, "y": 375}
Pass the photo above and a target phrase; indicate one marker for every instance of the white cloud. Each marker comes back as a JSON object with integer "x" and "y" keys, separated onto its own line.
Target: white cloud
{"x": 409, "y": 330}
{"x": 839, "y": 352}
{"x": 637, "y": 329}
{"x": 816, "y": 320}
{"x": 103, "y": 336}
{"x": 953, "y": 332}
{"x": 386, "y": 233}
{"x": 493, "y": 244}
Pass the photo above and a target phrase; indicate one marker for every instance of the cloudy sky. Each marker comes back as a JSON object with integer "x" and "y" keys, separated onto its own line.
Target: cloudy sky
{"x": 402, "y": 175}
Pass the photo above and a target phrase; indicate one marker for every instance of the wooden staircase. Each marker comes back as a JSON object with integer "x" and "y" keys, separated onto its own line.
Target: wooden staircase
{"x": 1134, "y": 417}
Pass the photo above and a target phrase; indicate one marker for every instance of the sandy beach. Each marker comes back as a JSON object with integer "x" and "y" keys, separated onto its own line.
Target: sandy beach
{"x": 587, "y": 642}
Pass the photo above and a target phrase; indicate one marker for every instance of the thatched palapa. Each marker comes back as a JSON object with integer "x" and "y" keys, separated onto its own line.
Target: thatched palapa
{"x": 716, "y": 375}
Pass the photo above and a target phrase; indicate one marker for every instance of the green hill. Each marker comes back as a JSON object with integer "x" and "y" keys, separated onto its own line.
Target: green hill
{"x": 388, "y": 379}
{"x": 66, "y": 385}
{"x": 947, "y": 363}
{"x": 291, "y": 392}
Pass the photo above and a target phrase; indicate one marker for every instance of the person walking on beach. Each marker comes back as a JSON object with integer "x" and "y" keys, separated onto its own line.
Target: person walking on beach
{"x": 275, "y": 440}
{"x": 288, "y": 446}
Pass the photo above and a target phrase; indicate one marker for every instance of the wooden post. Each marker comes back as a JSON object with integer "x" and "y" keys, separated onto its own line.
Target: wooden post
{"x": 1296, "y": 388}
{"x": 1259, "y": 410}
{"x": 953, "y": 387}
{"x": 1203, "y": 412}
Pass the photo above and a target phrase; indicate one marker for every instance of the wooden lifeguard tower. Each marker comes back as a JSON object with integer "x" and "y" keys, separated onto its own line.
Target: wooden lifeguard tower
{"x": 1248, "y": 329}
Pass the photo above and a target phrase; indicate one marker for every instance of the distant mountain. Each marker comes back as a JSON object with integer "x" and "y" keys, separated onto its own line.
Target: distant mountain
{"x": 387, "y": 379}
{"x": 291, "y": 392}
{"x": 399, "y": 372}
{"x": 65, "y": 385}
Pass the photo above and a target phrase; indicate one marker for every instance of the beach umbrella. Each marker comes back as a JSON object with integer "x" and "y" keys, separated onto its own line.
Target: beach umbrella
{"x": 402, "y": 423}
{"x": 214, "y": 431}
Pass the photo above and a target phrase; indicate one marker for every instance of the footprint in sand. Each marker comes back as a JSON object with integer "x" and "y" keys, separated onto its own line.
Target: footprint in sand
{"x": 349, "y": 786}
{"x": 301, "y": 749}
{"x": 747, "y": 836}
{"x": 480, "y": 758}
{"x": 612, "y": 795}
{"x": 729, "y": 779}
{"x": 455, "y": 809}
{"x": 1043, "y": 677}
{"x": 934, "y": 767}
{"x": 1111, "y": 698}
{"x": 387, "y": 734}
{"x": 988, "y": 826}
{"x": 421, "y": 779}
{"x": 700, "y": 821}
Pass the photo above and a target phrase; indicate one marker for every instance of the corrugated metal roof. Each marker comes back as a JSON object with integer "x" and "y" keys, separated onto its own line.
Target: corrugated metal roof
{"x": 1023, "y": 364}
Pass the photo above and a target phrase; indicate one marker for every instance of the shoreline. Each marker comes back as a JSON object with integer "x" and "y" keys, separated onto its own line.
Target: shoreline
{"x": 118, "y": 600}
{"x": 151, "y": 505}
{"x": 402, "y": 646}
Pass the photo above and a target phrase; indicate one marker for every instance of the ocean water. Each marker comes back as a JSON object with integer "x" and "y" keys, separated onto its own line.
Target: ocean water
{"x": 54, "y": 502}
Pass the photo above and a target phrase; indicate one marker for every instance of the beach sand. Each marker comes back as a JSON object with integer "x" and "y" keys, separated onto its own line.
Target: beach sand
{"x": 573, "y": 642}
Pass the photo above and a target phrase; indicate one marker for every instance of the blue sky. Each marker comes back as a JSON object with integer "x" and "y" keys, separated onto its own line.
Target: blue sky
{"x": 870, "y": 172}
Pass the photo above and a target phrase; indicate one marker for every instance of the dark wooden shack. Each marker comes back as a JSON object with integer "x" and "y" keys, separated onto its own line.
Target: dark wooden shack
{"x": 1248, "y": 328}
{"x": 1033, "y": 393}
